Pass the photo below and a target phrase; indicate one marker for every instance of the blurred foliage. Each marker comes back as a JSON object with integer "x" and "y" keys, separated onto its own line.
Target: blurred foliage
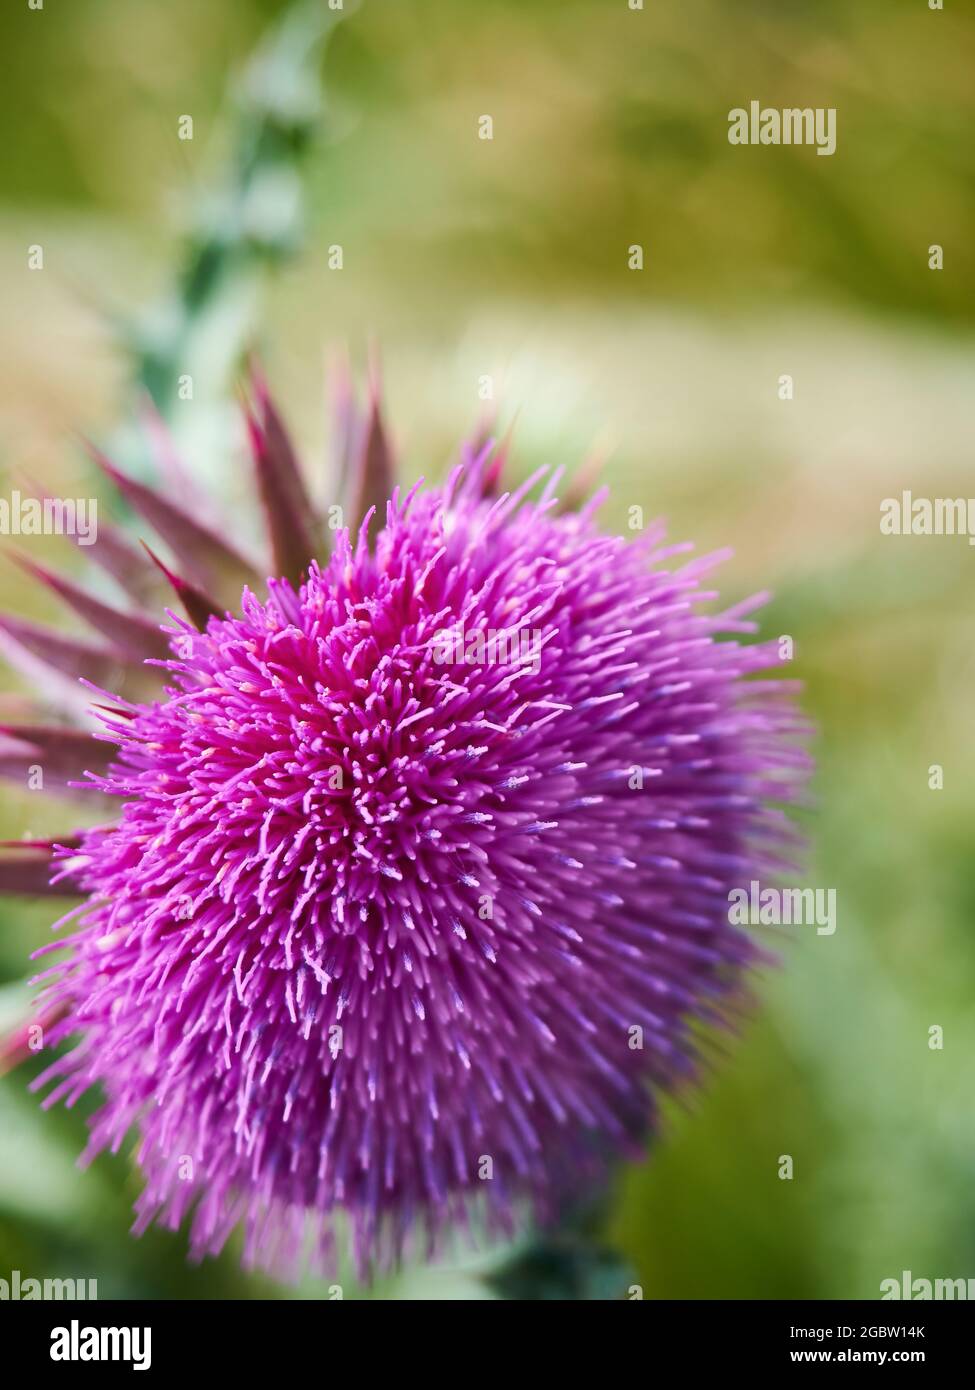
{"x": 508, "y": 258}
{"x": 250, "y": 223}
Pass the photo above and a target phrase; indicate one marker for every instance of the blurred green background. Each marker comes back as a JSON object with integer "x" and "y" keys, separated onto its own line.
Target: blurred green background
{"x": 507, "y": 258}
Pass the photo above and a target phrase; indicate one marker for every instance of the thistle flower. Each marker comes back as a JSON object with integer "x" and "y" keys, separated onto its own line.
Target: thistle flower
{"x": 385, "y": 924}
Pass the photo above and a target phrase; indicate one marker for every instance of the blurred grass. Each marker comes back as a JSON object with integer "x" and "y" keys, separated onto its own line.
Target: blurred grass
{"x": 466, "y": 257}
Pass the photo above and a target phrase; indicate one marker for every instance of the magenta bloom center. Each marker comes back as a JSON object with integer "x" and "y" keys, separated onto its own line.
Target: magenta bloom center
{"x": 399, "y": 915}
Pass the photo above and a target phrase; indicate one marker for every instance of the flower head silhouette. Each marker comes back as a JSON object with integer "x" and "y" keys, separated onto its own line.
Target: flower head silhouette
{"x": 416, "y": 892}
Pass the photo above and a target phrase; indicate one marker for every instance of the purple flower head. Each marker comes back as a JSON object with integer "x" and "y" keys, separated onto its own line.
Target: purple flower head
{"x": 417, "y": 894}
